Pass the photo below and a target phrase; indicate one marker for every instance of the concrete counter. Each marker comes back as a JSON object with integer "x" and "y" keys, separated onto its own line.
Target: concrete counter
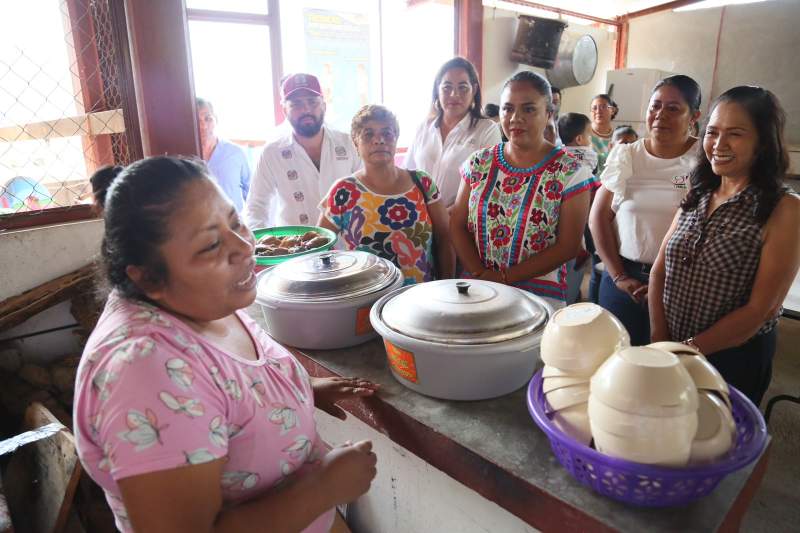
{"x": 494, "y": 448}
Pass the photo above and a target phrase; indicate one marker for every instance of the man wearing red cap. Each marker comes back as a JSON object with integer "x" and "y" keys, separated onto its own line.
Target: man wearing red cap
{"x": 296, "y": 170}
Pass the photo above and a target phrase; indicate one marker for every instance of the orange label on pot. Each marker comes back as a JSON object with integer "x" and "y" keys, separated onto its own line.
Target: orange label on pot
{"x": 363, "y": 325}
{"x": 402, "y": 361}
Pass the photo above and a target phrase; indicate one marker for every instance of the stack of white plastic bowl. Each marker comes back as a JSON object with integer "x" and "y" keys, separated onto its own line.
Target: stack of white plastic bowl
{"x": 716, "y": 429}
{"x": 576, "y": 341}
{"x": 643, "y": 407}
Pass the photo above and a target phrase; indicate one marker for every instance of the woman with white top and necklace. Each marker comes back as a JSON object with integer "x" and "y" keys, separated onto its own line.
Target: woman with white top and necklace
{"x": 603, "y": 111}
{"x": 455, "y": 128}
{"x": 642, "y": 186}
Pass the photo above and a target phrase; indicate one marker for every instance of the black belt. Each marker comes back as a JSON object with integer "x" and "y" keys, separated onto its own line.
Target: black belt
{"x": 637, "y": 267}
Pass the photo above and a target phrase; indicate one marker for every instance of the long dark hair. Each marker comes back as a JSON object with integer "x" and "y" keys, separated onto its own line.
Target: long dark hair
{"x": 475, "y": 110}
{"x": 137, "y": 201}
{"x": 772, "y": 159}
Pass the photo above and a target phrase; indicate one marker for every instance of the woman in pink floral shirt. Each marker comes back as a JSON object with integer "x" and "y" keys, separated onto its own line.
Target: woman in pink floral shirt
{"x": 523, "y": 204}
{"x": 187, "y": 414}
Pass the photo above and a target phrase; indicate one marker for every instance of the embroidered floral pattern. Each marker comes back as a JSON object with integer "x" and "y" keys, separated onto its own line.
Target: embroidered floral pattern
{"x": 396, "y": 227}
{"x": 398, "y": 213}
{"x": 344, "y": 197}
{"x": 513, "y": 212}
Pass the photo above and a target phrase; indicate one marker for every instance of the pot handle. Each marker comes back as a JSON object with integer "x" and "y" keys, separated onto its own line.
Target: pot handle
{"x": 463, "y": 287}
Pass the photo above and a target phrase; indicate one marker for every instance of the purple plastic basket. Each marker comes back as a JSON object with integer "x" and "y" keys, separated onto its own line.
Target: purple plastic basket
{"x": 646, "y": 485}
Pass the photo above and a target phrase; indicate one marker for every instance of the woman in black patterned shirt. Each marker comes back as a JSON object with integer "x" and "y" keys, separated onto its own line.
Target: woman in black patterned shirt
{"x": 733, "y": 250}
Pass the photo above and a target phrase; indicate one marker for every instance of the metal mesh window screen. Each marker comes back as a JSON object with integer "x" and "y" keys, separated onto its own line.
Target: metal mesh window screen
{"x": 61, "y": 104}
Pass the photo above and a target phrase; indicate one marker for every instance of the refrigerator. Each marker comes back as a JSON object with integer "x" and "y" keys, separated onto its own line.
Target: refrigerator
{"x": 630, "y": 88}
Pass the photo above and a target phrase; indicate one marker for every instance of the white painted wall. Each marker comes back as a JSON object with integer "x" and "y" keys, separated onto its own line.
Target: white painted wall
{"x": 34, "y": 256}
{"x": 759, "y": 45}
{"x": 499, "y": 30}
{"x": 408, "y": 495}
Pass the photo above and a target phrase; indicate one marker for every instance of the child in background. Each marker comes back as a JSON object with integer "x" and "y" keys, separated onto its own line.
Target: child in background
{"x": 623, "y": 135}
{"x": 575, "y": 130}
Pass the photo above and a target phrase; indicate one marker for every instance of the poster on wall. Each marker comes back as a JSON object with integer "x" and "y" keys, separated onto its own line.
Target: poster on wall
{"x": 337, "y": 51}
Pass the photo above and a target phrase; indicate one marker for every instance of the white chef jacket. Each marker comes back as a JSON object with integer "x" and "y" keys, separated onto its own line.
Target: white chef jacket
{"x": 286, "y": 188}
{"x": 647, "y": 192}
{"x": 443, "y": 160}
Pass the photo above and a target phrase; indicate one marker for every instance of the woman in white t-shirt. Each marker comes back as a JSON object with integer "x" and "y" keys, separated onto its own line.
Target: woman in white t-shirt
{"x": 642, "y": 185}
{"x": 455, "y": 128}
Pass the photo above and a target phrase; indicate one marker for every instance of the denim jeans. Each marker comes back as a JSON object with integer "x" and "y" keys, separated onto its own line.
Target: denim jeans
{"x": 594, "y": 280}
{"x": 574, "y": 280}
{"x": 634, "y": 316}
{"x": 748, "y": 367}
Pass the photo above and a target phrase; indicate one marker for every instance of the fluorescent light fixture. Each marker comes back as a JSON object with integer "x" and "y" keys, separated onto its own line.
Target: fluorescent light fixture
{"x": 715, "y": 3}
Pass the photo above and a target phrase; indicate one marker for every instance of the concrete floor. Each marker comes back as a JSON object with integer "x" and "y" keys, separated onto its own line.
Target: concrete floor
{"x": 776, "y": 506}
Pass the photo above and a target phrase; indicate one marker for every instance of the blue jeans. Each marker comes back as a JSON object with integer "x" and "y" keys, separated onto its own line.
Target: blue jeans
{"x": 574, "y": 280}
{"x": 748, "y": 367}
{"x": 634, "y": 316}
{"x": 594, "y": 280}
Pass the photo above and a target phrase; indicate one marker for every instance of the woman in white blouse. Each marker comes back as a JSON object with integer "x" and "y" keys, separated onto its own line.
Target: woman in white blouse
{"x": 455, "y": 128}
{"x": 642, "y": 185}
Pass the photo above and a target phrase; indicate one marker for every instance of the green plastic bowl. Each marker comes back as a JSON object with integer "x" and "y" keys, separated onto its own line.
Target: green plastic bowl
{"x": 285, "y": 231}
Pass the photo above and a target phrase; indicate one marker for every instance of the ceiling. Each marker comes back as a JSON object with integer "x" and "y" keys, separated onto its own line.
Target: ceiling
{"x": 606, "y": 9}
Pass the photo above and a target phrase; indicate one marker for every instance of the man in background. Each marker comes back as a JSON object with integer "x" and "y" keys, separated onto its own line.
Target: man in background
{"x": 296, "y": 170}
{"x": 226, "y": 161}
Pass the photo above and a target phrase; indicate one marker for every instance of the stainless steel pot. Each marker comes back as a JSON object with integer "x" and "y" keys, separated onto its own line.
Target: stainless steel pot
{"x": 322, "y": 301}
{"x": 461, "y": 339}
{"x": 575, "y": 63}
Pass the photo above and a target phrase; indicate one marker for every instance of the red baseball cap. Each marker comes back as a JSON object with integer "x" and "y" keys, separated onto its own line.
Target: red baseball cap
{"x": 300, "y": 82}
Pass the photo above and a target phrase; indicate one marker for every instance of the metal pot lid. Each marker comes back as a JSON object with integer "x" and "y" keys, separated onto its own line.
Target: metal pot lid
{"x": 325, "y": 276}
{"x": 464, "y": 312}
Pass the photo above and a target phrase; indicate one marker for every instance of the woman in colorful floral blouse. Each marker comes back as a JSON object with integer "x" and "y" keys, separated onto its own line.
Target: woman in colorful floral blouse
{"x": 522, "y": 204}
{"x": 389, "y": 211}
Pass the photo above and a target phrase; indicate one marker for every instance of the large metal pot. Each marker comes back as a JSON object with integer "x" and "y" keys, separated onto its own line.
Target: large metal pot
{"x": 322, "y": 301}
{"x": 461, "y": 339}
{"x": 575, "y": 63}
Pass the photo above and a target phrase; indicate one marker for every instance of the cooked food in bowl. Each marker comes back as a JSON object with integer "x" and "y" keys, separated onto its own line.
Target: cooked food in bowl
{"x": 272, "y": 245}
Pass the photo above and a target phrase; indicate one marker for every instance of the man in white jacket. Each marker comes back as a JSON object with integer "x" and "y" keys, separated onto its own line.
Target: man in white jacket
{"x": 296, "y": 170}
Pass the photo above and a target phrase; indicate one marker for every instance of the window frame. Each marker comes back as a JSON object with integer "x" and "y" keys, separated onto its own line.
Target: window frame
{"x": 87, "y": 60}
{"x": 468, "y": 42}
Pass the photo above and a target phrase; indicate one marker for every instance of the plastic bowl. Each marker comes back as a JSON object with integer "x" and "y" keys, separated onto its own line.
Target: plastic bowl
{"x": 705, "y": 375}
{"x": 645, "y": 381}
{"x": 574, "y": 421}
{"x": 553, "y": 383}
{"x": 716, "y": 430}
{"x": 648, "y": 485}
{"x": 285, "y": 231}
{"x": 578, "y": 338}
{"x": 678, "y": 348}
{"x": 672, "y": 450}
{"x": 640, "y": 426}
{"x": 568, "y": 396}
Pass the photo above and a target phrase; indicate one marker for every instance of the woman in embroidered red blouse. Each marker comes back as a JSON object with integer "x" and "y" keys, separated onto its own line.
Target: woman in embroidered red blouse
{"x": 522, "y": 205}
